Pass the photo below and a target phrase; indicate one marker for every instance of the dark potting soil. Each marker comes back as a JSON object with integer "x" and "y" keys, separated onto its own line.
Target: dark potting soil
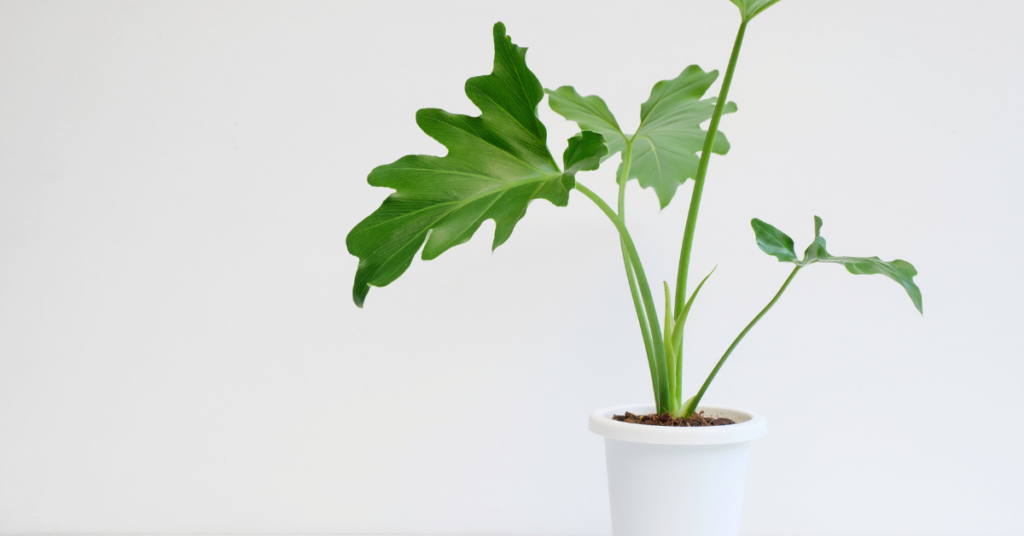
{"x": 665, "y": 419}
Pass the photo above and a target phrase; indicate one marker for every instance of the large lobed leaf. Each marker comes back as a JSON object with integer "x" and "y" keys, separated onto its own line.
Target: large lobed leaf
{"x": 666, "y": 144}
{"x": 496, "y": 164}
{"x": 776, "y": 243}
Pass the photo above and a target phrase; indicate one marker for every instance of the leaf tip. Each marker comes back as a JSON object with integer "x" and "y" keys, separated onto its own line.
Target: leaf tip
{"x": 916, "y": 298}
{"x": 359, "y": 293}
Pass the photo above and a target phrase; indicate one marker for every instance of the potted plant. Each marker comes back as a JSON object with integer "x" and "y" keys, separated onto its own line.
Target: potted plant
{"x": 674, "y": 466}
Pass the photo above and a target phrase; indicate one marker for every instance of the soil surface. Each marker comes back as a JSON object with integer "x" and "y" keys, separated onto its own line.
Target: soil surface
{"x": 665, "y": 419}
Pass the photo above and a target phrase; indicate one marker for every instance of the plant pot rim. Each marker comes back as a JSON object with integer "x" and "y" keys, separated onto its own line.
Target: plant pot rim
{"x": 749, "y": 426}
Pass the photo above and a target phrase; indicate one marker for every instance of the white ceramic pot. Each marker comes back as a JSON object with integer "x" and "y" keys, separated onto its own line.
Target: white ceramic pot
{"x": 676, "y": 481}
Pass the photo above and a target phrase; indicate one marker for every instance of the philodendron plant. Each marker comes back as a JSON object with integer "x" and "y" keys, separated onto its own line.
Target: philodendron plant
{"x": 498, "y": 162}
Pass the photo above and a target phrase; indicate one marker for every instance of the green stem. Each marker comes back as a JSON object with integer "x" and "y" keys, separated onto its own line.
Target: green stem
{"x": 692, "y": 405}
{"x": 645, "y": 330}
{"x": 670, "y": 353}
{"x": 702, "y": 171}
{"x": 645, "y": 290}
{"x": 642, "y": 318}
{"x": 627, "y": 160}
{"x": 678, "y": 394}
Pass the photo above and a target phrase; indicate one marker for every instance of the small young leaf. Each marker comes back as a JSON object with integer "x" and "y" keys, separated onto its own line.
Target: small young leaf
{"x": 773, "y": 241}
{"x": 496, "y": 164}
{"x": 677, "y": 330}
{"x": 898, "y": 270}
{"x": 816, "y": 251}
{"x": 752, "y": 8}
{"x": 584, "y": 153}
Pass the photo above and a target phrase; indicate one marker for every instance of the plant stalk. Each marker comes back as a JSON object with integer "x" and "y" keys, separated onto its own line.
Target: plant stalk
{"x": 670, "y": 353}
{"x": 645, "y": 330}
{"x": 702, "y": 171}
{"x": 692, "y": 405}
{"x": 662, "y": 399}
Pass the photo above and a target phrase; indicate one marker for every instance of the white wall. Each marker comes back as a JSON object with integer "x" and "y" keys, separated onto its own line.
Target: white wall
{"x": 178, "y": 348}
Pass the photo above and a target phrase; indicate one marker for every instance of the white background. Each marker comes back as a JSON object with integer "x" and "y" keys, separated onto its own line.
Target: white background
{"x": 179, "y": 352}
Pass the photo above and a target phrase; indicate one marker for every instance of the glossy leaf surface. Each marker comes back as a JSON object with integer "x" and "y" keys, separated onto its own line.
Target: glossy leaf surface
{"x": 773, "y": 241}
{"x": 584, "y": 153}
{"x": 496, "y": 164}
{"x": 776, "y": 243}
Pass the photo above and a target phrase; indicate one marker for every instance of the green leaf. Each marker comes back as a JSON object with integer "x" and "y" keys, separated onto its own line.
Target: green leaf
{"x": 496, "y": 164}
{"x": 665, "y": 146}
{"x": 590, "y": 113}
{"x": 752, "y": 8}
{"x": 816, "y": 251}
{"x": 677, "y": 329}
{"x": 775, "y": 242}
{"x": 584, "y": 153}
